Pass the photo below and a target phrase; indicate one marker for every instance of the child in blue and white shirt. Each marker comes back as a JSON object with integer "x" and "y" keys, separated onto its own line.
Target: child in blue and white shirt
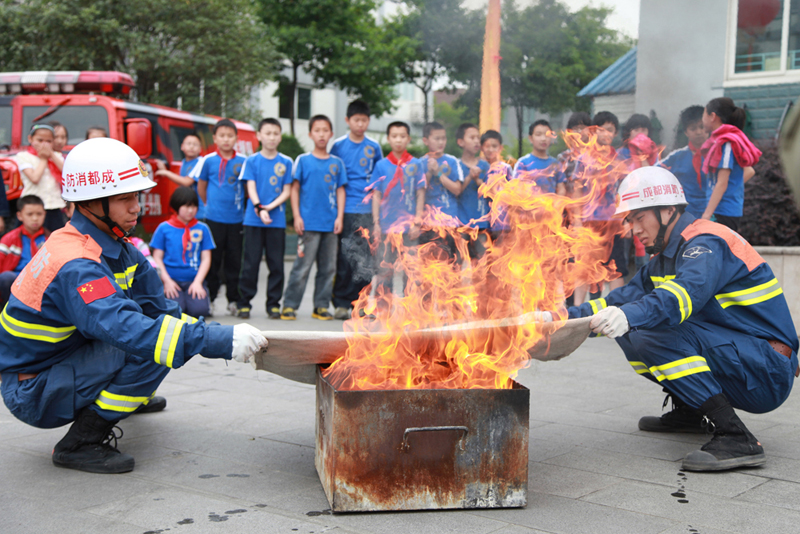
{"x": 318, "y": 200}
{"x": 539, "y": 166}
{"x": 219, "y": 187}
{"x": 191, "y": 148}
{"x": 473, "y": 207}
{"x": 181, "y": 248}
{"x": 360, "y": 155}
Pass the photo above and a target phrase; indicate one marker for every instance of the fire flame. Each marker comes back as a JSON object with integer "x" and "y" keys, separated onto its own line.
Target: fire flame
{"x": 534, "y": 263}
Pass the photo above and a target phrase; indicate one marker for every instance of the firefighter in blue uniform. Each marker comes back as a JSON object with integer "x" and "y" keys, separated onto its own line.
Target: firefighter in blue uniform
{"x": 87, "y": 335}
{"x": 706, "y": 319}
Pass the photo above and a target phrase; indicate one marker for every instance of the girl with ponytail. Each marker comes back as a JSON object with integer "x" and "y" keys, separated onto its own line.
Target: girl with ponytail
{"x": 728, "y": 159}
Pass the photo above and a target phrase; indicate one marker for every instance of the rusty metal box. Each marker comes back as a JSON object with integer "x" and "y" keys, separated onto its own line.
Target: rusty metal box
{"x": 422, "y": 449}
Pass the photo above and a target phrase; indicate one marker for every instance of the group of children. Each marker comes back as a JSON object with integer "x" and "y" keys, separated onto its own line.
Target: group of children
{"x": 229, "y": 211}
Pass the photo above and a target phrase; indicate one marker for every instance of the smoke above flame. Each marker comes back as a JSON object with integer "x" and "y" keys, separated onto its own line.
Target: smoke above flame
{"x": 533, "y": 265}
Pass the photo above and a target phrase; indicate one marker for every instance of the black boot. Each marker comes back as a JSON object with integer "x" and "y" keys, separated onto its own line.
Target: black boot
{"x": 682, "y": 418}
{"x": 156, "y": 404}
{"x": 87, "y": 447}
{"x": 732, "y": 445}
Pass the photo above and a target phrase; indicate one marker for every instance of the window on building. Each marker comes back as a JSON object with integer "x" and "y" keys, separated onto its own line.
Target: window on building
{"x": 284, "y": 101}
{"x": 767, "y": 36}
{"x": 303, "y": 103}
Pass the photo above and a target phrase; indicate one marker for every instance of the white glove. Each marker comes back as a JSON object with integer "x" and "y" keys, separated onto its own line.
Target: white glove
{"x": 247, "y": 341}
{"x": 610, "y": 322}
{"x": 545, "y": 317}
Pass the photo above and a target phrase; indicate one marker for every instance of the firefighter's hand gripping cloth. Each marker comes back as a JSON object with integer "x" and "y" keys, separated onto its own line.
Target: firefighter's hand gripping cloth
{"x": 76, "y": 290}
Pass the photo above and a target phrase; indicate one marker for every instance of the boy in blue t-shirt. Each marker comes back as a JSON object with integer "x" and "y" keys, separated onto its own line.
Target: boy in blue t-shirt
{"x": 360, "y": 154}
{"x": 686, "y": 163}
{"x": 191, "y": 148}
{"x": 218, "y": 186}
{"x": 268, "y": 178}
{"x": 21, "y": 244}
{"x": 473, "y": 208}
{"x": 181, "y": 248}
{"x": 318, "y": 200}
{"x": 443, "y": 183}
{"x": 539, "y": 166}
{"x": 398, "y": 200}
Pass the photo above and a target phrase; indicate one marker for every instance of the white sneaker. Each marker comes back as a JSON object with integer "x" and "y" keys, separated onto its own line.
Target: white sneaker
{"x": 341, "y": 313}
{"x": 211, "y": 309}
{"x": 232, "y": 309}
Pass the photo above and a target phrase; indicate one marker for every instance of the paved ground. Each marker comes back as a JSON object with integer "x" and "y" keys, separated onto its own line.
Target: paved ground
{"x": 234, "y": 452}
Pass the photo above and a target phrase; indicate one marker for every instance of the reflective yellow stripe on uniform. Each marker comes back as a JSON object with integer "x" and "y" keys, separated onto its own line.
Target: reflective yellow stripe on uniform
{"x": 39, "y": 332}
{"x": 598, "y": 304}
{"x": 680, "y": 368}
{"x": 168, "y": 339}
{"x": 658, "y": 281}
{"x": 119, "y": 403}
{"x": 753, "y": 295}
{"x": 188, "y": 318}
{"x": 125, "y": 280}
{"x": 684, "y": 300}
{"x": 640, "y": 367}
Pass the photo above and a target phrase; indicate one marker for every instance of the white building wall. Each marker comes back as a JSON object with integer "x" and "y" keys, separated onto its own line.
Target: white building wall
{"x": 623, "y": 106}
{"x": 681, "y": 57}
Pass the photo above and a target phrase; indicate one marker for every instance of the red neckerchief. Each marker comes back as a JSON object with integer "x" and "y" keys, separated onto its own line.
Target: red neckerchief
{"x": 398, "y": 172}
{"x": 34, "y": 248}
{"x": 223, "y": 165}
{"x": 55, "y": 172}
{"x": 187, "y": 235}
{"x": 697, "y": 162}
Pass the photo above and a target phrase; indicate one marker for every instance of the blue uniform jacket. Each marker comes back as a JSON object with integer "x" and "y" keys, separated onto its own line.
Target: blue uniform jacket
{"x": 707, "y": 274}
{"x": 82, "y": 286}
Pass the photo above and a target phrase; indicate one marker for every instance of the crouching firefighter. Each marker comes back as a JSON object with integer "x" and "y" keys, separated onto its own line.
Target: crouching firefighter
{"x": 87, "y": 334}
{"x": 706, "y": 319}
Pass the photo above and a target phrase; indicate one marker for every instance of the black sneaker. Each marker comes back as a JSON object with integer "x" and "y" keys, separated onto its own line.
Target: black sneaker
{"x": 156, "y": 404}
{"x": 274, "y": 312}
{"x": 87, "y": 446}
{"x": 732, "y": 445}
{"x": 322, "y": 314}
{"x": 288, "y": 314}
{"x": 244, "y": 313}
{"x": 682, "y": 419}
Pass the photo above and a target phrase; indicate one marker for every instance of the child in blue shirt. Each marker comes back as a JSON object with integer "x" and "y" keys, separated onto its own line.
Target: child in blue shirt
{"x": 268, "y": 176}
{"x": 473, "y": 208}
{"x": 318, "y": 200}
{"x": 181, "y": 248}
{"x": 443, "y": 182}
{"x": 398, "y": 201}
{"x": 219, "y": 187}
{"x": 686, "y": 163}
{"x": 492, "y": 147}
{"x": 191, "y": 148}
{"x": 539, "y": 166}
{"x": 727, "y": 176}
{"x": 21, "y": 244}
{"x": 360, "y": 154}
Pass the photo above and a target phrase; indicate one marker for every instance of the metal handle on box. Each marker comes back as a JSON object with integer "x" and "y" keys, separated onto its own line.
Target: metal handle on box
{"x": 405, "y": 446}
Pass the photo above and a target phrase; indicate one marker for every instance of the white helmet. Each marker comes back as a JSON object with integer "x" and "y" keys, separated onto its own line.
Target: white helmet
{"x": 100, "y": 168}
{"x": 649, "y": 187}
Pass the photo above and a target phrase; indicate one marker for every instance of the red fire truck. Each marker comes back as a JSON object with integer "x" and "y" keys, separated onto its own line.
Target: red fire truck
{"x": 82, "y": 99}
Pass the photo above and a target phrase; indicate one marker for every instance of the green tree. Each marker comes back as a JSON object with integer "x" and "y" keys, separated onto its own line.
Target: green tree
{"x": 549, "y": 54}
{"x": 338, "y": 42}
{"x": 447, "y": 42}
{"x": 205, "y": 54}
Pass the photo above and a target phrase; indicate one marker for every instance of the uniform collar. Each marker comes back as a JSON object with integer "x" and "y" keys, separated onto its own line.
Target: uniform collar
{"x": 111, "y": 247}
{"x": 675, "y": 236}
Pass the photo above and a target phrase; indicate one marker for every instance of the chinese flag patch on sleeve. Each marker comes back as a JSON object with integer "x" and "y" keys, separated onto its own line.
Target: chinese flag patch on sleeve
{"x": 96, "y": 289}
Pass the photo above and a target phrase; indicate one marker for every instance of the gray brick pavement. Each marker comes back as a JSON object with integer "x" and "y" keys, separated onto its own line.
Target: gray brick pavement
{"x": 234, "y": 452}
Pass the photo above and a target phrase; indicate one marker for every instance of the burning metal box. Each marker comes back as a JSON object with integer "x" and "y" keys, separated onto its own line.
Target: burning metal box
{"x": 418, "y": 449}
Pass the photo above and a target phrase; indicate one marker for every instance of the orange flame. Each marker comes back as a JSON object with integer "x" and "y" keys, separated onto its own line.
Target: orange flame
{"x": 532, "y": 265}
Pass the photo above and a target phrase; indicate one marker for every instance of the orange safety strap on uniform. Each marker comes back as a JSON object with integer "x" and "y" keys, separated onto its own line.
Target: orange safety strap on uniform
{"x": 740, "y": 248}
{"x": 64, "y": 245}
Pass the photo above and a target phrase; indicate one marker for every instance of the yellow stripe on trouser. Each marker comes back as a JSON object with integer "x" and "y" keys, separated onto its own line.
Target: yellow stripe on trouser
{"x": 597, "y": 305}
{"x": 167, "y": 341}
{"x": 640, "y": 367}
{"x": 680, "y": 368}
{"x": 38, "y": 332}
{"x": 684, "y": 300}
{"x": 753, "y": 295}
{"x": 119, "y": 403}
